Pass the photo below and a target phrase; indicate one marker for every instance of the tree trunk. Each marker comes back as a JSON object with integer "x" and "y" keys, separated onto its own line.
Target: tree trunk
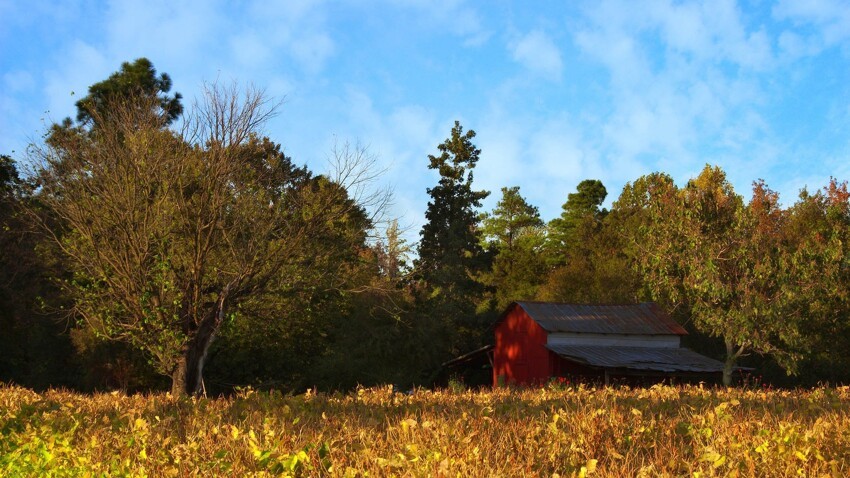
{"x": 178, "y": 378}
{"x": 196, "y": 355}
{"x": 729, "y": 364}
{"x": 188, "y": 374}
{"x": 728, "y": 368}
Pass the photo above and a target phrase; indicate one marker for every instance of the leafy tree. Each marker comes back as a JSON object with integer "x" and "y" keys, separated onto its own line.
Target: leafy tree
{"x": 451, "y": 258}
{"x": 584, "y": 248}
{"x": 514, "y": 235}
{"x": 703, "y": 248}
{"x": 278, "y": 337}
{"x": 815, "y": 281}
{"x": 168, "y": 233}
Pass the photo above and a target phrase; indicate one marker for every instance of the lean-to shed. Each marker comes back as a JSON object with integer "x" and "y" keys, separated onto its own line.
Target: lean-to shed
{"x": 535, "y": 341}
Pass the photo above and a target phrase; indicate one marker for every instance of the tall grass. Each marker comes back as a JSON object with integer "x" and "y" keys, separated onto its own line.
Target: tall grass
{"x": 661, "y": 431}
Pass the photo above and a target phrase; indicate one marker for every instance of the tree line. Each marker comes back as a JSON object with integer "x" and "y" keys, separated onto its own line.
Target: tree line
{"x": 152, "y": 246}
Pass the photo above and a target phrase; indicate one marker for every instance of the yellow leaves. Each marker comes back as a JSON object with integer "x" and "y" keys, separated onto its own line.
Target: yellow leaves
{"x": 588, "y": 469}
{"x": 376, "y": 432}
{"x": 140, "y": 425}
{"x": 408, "y": 424}
{"x": 716, "y": 459}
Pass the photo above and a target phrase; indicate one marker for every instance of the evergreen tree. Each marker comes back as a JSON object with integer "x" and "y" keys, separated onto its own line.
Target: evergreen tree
{"x": 451, "y": 258}
{"x": 134, "y": 79}
{"x": 514, "y": 232}
{"x": 582, "y": 206}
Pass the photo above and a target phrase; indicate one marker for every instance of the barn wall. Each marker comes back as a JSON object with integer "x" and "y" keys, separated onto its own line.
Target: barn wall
{"x": 520, "y": 355}
{"x": 562, "y": 338}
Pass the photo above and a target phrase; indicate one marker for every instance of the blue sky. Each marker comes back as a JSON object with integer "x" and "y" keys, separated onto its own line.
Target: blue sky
{"x": 557, "y": 91}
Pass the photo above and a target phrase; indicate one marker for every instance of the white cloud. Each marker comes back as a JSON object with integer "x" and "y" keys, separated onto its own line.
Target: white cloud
{"x": 539, "y": 54}
{"x": 683, "y": 83}
{"x": 710, "y": 31}
{"x": 831, "y": 18}
{"x": 400, "y": 137}
{"x": 166, "y": 32}
{"x": 250, "y": 50}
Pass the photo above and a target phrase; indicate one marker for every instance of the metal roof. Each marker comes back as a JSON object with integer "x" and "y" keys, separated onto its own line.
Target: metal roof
{"x": 640, "y": 319}
{"x": 639, "y": 358}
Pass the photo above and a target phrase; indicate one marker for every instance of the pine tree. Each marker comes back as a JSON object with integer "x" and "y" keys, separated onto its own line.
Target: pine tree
{"x": 515, "y": 234}
{"x": 451, "y": 257}
{"x": 582, "y": 206}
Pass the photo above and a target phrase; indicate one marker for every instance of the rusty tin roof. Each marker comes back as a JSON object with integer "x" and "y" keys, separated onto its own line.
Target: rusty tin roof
{"x": 639, "y": 358}
{"x": 639, "y": 319}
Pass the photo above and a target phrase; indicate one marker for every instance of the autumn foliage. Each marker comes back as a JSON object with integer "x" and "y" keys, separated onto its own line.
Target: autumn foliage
{"x": 560, "y": 430}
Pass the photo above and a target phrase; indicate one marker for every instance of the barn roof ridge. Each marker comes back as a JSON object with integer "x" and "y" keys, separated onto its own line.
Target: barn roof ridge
{"x": 585, "y": 304}
{"x": 644, "y": 318}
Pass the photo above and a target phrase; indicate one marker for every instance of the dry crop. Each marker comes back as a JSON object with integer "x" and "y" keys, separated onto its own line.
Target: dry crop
{"x": 577, "y": 431}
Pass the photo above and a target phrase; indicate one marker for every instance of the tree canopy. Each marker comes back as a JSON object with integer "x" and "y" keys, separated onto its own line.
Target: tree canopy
{"x": 168, "y": 232}
{"x": 138, "y": 245}
{"x": 138, "y": 78}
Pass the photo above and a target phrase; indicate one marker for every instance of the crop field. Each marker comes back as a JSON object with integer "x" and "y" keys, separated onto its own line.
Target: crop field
{"x": 573, "y": 431}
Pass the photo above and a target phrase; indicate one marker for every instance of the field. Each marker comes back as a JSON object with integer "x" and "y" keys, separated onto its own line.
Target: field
{"x": 573, "y": 431}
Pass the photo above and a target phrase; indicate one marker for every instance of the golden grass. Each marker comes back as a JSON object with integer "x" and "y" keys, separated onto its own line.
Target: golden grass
{"x": 605, "y": 432}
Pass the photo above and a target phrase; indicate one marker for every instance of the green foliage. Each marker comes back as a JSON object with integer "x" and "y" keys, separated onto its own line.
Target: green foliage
{"x": 451, "y": 257}
{"x": 814, "y": 281}
{"x": 392, "y": 253}
{"x": 134, "y": 79}
{"x": 168, "y": 233}
{"x": 582, "y": 210}
{"x": 754, "y": 275}
{"x": 514, "y": 235}
{"x": 450, "y": 253}
{"x": 584, "y": 247}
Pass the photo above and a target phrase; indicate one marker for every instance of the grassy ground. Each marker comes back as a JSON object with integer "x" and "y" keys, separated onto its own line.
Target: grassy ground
{"x": 661, "y": 431}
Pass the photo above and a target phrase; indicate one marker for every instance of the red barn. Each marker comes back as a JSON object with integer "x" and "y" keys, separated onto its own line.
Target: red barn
{"x": 536, "y": 341}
